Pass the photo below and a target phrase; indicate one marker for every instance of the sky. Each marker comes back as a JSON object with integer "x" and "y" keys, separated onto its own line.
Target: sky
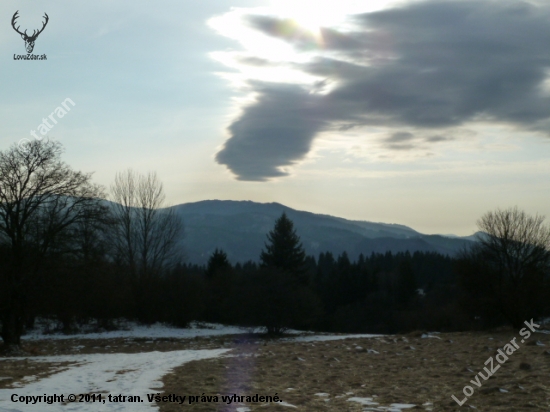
{"x": 422, "y": 113}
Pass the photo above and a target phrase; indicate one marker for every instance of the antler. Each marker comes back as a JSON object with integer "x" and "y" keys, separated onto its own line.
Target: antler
{"x": 35, "y": 35}
{"x": 15, "y": 16}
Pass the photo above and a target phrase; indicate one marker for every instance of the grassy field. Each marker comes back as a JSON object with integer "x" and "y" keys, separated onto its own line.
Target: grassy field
{"x": 354, "y": 374}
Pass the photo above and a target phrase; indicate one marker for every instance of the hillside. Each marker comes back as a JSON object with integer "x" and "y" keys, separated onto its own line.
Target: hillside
{"x": 240, "y": 228}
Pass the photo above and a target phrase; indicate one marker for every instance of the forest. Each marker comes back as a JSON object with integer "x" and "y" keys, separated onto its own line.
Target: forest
{"x": 68, "y": 255}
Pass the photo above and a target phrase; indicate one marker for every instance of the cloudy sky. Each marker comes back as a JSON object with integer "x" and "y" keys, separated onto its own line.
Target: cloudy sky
{"x": 423, "y": 113}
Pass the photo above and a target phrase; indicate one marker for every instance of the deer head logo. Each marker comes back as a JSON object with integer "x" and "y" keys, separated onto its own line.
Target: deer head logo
{"x": 29, "y": 40}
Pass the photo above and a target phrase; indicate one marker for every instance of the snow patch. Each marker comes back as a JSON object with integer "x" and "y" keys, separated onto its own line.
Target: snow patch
{"x": 394, "y": 407}
{"x": 322, "y": 338}
{"x": 136, "y": 374}
{"x": 363, "y": 401}
{"x": 156, "y": 330}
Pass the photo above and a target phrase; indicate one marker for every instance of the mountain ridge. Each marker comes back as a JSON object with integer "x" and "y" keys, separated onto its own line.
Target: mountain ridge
{"x": 239, "y": 227}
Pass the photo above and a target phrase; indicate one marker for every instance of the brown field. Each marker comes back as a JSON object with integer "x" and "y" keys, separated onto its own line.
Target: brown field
{"x": 324, "y": 375}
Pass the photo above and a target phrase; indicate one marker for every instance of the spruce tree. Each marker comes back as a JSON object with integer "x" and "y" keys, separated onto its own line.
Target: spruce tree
{"x": 217, "y": 263}
{"x": 406, "y": 283}
{"x": 284, "y": 250}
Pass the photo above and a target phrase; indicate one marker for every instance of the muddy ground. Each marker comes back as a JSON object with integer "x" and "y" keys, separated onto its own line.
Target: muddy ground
{"x": 325, "y": 375}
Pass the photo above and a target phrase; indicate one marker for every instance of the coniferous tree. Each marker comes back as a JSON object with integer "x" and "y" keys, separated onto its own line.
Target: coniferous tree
{"x": 217, "y": 263}
{"x": 284, "y": 250}
{"x": 221, "y": 288}
{"x": 406, "y": 283}
{"x": 278, "y": 295}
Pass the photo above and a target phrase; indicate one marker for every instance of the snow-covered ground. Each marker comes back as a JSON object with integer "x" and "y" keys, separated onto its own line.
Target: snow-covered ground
{"x": 135, "y": 374}
{"x": 321, "y": 338}
{"x": 157, "y": 330}
{"x": 132, "y": 330}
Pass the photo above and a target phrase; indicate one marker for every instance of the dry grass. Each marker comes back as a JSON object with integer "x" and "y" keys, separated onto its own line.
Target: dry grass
{"x": 406, "y": 369}
{"x": 15, "y": 373}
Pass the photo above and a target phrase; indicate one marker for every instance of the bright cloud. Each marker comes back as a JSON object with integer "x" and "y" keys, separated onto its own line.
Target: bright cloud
{"x": 423, "y": 72}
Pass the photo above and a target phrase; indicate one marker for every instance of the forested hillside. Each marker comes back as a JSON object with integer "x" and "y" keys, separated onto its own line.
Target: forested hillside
{"x": 239, "y": 229}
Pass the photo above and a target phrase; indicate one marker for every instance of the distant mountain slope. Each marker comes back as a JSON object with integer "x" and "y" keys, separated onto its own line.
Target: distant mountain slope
{"x": 240, "y": 229}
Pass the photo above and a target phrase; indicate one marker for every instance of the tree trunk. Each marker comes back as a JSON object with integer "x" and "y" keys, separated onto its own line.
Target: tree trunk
{"x": 12, "y": 328}
{"x": 30, "y": 322}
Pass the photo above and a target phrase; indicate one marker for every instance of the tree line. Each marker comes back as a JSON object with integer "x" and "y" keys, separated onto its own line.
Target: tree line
{"x": 68, "y": 255}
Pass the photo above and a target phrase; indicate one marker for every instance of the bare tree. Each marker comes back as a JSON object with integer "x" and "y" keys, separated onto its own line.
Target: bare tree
{"x": 41, "y": 200}
{"x": 512, "y": 258}
{"x": 515, "y": 241}
{"x": 146, "y": 235}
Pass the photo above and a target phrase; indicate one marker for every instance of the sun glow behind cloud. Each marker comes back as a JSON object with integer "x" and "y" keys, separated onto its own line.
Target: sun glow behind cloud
{"x": 337, "y": 94}
{"x": 163, "y": 107}
{"x": 292, "y": 37}
{"x": 394, "y": 80}
{"x": 312, "y": 14}
{"x": 268, "y": 58}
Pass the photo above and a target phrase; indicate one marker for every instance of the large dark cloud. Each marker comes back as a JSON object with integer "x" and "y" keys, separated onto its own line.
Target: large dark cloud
{"x": 275, "y": 131}
{"x": 424, "y": 67}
